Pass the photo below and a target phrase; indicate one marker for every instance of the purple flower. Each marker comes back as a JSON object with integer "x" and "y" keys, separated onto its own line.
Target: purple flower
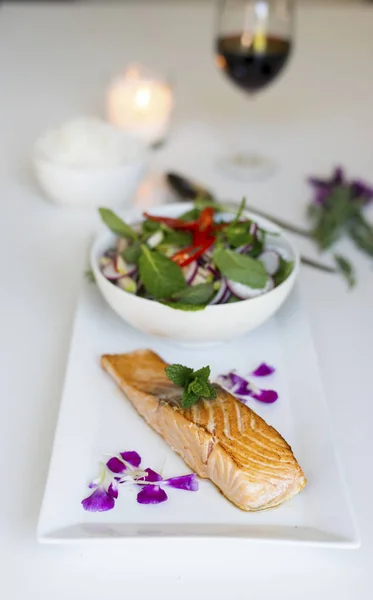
{"x": 151, "y": 494}
{"x": 184, "y": 482}
{"x": 266, "y": 396}
{"x": 323, "y": 187}
{"x": 244, "y": 389}
{"x": 263, "y": 370}
{"x": 152, "y": 476}
{"x": 120, "y": 463}
{"x": 362, "y": 191}
{"x": 99, "y": 501}
{"x": 122, "y": 469}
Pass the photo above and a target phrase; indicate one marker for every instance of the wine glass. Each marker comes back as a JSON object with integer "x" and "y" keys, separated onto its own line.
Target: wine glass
{"x": 253, "y": 45}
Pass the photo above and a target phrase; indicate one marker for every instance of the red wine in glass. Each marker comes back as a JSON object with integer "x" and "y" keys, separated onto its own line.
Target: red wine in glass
{"x": 252, "y": 46}
{"x": 249, "y": 67}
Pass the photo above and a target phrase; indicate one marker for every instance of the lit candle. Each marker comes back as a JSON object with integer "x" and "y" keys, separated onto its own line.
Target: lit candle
{"x": 140, "y": 104}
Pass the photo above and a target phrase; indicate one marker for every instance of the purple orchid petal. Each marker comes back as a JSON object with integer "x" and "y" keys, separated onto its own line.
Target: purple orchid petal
{"x": 94, "y": 483}
{"x": 323, "y": 187}
{"x": 152, "y": 476}
{"x": 318, "y": 183}
{"x": 151, "y": 494}
{"x": 263, "y": 370}
{"x": 266, "y": 396}
{"x": 235, "y": 383}
{"x": 98, "y": 501}
{"x": 338, "y": 176}
{"x": 113, "y": 489}
{"x": 115, "y": 465}
{"x": 184, "y": 482}
{"x": 132, "y": 458}
{"x": 361, "y": 190}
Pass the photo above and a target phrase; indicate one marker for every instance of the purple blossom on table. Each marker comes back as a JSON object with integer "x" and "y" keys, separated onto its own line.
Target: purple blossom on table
{"x": 124, "y": 468}
{"x": 360, "y": 190}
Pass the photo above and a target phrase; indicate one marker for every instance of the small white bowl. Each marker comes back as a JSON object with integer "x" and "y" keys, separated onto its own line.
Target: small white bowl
{"x": 217, "y": 323}
{"x": 111, "y": 185}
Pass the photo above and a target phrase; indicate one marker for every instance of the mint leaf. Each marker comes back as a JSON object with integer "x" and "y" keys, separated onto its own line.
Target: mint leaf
{"x": 240, "y": 268}
{"x": 179, "y": 374}
{"x": 346, "y": 269}
{"x": 132, "y": 254}
{"x": 116, "y": 224}
{"x": 185, "y": 307}
{"x": 196, "y": 294}
{"x": 199, "y": 387}
{"x": 161, "y": 277}
{"x": 284, "y": 271}
{"x": 195, "y": 383}
{"x": 188, "y": 399}
{"x": 203, "y": 373}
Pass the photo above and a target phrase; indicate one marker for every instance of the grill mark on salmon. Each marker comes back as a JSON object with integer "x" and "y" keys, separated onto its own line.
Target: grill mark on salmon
{"x": 220, "y": 439}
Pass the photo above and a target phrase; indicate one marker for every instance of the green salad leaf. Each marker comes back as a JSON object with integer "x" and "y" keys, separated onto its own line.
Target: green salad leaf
{"x": 240, "y": 268}
{"x": 239, "y": 234}
{"x": 195, "y": 294}
{"x": 174, "y": 237}
{"x": 284, "y": 271}
{"x": 161, "y": 277}
{"x": 117, "y": 225}
{"x": 185, "y": 307}
{"x": 132, "y": 254}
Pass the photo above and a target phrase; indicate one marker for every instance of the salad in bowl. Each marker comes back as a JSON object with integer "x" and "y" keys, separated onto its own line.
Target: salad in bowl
{"x": 175, "y": 270}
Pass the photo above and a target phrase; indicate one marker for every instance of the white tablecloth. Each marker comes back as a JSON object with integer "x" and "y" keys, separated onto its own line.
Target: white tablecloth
{"x": 54, "y": 63}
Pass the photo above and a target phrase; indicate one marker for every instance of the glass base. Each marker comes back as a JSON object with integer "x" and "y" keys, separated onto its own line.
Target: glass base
{"x": 247, "y": 166}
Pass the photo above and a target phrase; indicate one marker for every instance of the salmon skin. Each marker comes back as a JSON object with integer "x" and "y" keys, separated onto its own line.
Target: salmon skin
{"x": 220, "y": 439}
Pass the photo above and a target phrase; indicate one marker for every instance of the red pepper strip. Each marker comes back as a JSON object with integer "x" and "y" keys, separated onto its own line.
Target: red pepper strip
{"x": 206, "y": 222}
{"x": 183, "y": 254}
{"x": 206, "y": 219}
{"x": 174, "y": 223}
{"x": 209, "y": 242}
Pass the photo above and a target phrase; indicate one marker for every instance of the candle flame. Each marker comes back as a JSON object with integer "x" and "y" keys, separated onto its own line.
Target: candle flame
{"x": 142, "y": 98}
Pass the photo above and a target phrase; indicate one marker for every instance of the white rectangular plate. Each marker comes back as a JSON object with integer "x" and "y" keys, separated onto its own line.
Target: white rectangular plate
{"x": 96, "y": 420}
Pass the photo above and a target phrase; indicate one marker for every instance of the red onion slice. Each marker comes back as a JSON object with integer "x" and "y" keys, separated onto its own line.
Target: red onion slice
{"x": 270, "y": 260}
{"x": 220, "y": 296}
{"x": 190, "y": 272}
{"x": 110, "y": 272}
{"x": 244, "y": 292}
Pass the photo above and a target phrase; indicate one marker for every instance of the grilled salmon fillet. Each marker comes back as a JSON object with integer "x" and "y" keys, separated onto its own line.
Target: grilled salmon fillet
{"x": 221, "y": 439}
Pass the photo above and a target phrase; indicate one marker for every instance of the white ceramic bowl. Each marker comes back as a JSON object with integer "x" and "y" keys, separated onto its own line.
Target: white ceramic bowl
{"x": 90, "y": 186}
{"x": 213, "y": 324}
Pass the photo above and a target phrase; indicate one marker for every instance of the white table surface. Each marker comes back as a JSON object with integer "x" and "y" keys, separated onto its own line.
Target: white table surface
{"x": 54, "y": 63}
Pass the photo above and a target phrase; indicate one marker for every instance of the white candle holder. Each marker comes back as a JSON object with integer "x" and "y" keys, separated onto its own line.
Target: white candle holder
{"x": 141, "y": 104}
